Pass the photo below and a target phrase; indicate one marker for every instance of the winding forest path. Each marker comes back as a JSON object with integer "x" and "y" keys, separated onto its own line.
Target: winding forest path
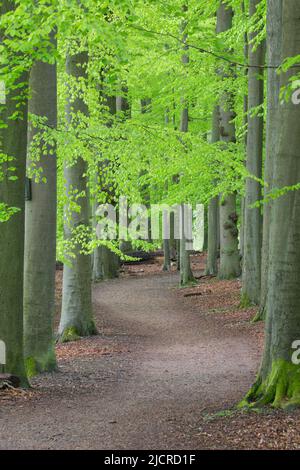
{"x": 171, "y": 364}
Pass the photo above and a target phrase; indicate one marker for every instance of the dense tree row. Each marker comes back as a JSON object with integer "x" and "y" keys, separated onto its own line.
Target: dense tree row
{"x": 165, "y": 103}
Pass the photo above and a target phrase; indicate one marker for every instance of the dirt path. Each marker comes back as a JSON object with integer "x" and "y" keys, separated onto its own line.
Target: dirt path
{"x": 171, "y": 364}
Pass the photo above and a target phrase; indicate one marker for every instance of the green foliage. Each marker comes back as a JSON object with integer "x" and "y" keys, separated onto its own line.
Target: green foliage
{"x": 135, "y": 51}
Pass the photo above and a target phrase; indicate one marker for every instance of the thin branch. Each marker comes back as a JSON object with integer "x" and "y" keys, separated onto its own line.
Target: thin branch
{"x": 206, "y": 51}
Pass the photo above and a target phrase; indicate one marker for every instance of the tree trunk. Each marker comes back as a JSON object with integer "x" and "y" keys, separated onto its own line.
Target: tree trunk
{"x": 106, "y": 263}
{"x": 242, "y": 218}
{"x": 213, "y": 212}
{"x": 76, "y": 317}
{"x": 13, "y": 143}
{"x": 274, "y": 28}
{"x": 253, "y": 217}
{"x": 229, "y": 253}
{"x": 167, "y": 255}
{"x": 124, "y": 110}
{"x": 278, "y": 382}
{"x": 186, "y": 275}
{"x": 40, "y": 233}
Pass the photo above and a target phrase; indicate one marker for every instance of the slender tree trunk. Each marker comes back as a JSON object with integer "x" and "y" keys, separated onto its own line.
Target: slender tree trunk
{"x": 146, "y": 108}
{"x": 124, "y": 110}
{"x": 274, "y": 29}
{"x": 40, "y": 232}
{"x": 106, "y": 263}
{"x": 242, "y": 219}
{"x": 186, "y": 275}
{"x": 13, "y": 143}
{"x": 167, "y": 241}
{"x": 167, "y": 255}
{"x": 278, "y": 381}
{"x": 76, "y": 317}
{"x": 229, "y": 253}
{"x": 168, "y": 244}
{"x": 253, "y": 217}
{"x": 213, "y": 211}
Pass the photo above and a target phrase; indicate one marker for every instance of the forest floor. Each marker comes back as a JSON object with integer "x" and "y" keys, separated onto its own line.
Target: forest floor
{"x": 165, "y": 372}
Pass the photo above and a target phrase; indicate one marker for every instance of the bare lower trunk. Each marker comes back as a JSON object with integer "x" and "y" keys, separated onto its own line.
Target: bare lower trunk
{"x": 229, "y": 254}
{"x": 106, "y": 264}
{"x": 213, "y": 228}
{"x": 167, "y": 255}
{"x": 213, "y": 211}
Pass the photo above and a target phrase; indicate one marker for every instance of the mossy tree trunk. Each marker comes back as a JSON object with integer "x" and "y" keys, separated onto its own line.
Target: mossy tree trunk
{"x": 40, "y": 231}
{"x": 253, "y": 216}
{"x": 278, "y": 381}
{"x": 13, "y": 143}
{"x": 76, "y": 316}
{"x": 229, "y": 252}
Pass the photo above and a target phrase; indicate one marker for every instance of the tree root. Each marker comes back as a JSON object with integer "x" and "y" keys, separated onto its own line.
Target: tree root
{"x": 73, "y": 333}
{"x": 281, "y": 388}
{"x": 38, "y": 365}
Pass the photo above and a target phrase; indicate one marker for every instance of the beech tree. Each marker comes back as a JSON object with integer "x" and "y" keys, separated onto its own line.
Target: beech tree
{"x": 213, "y": 211}
{"x": 274, "y": 34}
{"x": 76, "y": 316}
{"x": 40, "y": 226}
{"x": 186, "y": 275}
{"x": 229, "y": 254}
{"x": 13, "y": 141}
{"x": 278, "y": 380}
{"x": 252, "y": 241}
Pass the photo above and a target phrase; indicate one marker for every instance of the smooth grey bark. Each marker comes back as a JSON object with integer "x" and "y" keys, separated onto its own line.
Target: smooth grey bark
{"x": 213, "y": 211}
{"x": 123, "y": 109}
{"x": 279, "y": 379}
{"x": 253, "y": 216}
{"x": 76, "y": 316}
{"x": 274, "y": 33}
{"x": 212, "y": 243}
{"x": 40, "y": 232}
{"x": 229, "y": 253}
{"x": 105, "y": 262}
{"x": 13, "y": 142}
{"x": 167, "y": 255}
{"x": 146, "y": 108}
{"x": 168, "y": 244}
{"x": 186, "y": 275}
{"x": 242, "y": 218}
